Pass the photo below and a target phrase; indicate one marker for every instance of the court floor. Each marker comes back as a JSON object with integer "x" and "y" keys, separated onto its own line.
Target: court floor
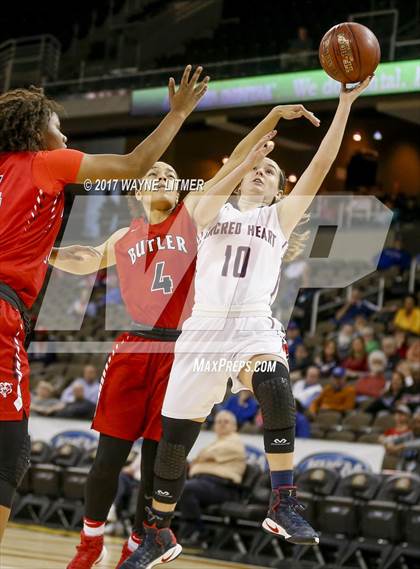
{"x": 37, "y": 548}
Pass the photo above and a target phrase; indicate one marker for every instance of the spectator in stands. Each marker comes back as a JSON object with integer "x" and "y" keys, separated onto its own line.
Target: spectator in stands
{"x": 407, "y": 318}
{"x": 243, "y": 405}
{"x": 90, "y": 382}
{"x": 411, "y": 396}
{"x": 355, "y": 306}
{"x": 294, "y": 338}
{"x": 299, "y": 48}
{"x": 402, "y": 344}
{"x": 344, "y": 339}
{"x": 43, "y": 399}
{"x": 413, "y": 355}
{"x": 328, "y": 359}
{"x": 303, "y": 426}
{"x": 78, "y": 408}
{"x": 371, "y": 343}
{"x": 41, "y": 348}
{"x": 401, "y": 429}
{"x": 390, "y": 349}
{"x": 394, "y": 256}
{"x": 307, "y": 389}
{"x": 356, "y": 362}
{"x": 392, "y": 394}
{"x": 373, "y": 383}
{"x": 215, "y": 476}
{"x": 83, "y": 306}
{"x": 408, "y": 447}
{"x": 300, "y": 361}
{"x": 336, "y": 396}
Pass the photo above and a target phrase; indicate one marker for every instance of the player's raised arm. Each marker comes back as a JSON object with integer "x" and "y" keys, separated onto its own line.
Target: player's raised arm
{"x": 85, "y": 259}
{"x": 135, "y": 164}
{"x": 211, "y": 203}
{"x": 241, "y": 151}
{"x": 292, "y": 208}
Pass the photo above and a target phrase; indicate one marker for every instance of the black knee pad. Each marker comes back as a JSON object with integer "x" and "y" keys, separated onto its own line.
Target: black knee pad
{"x": 273, "y": 392}
{"x": 179, "y": 436}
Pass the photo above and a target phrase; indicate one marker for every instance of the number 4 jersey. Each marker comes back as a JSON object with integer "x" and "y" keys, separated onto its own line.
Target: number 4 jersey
{"x": 156, "y": 267}
{"x": 239, "y": 261}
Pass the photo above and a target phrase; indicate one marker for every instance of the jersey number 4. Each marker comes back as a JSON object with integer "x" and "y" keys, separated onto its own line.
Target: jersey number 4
{"x": 161, "y": 281}
{"x": 240, "y": 264}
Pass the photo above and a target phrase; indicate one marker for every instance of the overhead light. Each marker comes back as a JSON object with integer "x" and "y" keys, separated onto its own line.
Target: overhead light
{"x": 292, "y": 178}
{"x": 357, "y": 137}
{"x": 377, "y": 135}
{"x": 225, "y": 159}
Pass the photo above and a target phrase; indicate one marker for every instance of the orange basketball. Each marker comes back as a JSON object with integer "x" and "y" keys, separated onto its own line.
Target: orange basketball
{"x": 349, "y": 52}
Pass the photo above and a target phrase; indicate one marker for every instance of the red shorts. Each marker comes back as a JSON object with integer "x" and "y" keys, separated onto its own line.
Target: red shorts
{"x": 15, "y": 397}
{"x": 133, "y": 387}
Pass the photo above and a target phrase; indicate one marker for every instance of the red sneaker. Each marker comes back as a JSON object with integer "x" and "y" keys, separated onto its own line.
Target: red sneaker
{"x": 125, "y": 554}
{"x": 90, "y": 552}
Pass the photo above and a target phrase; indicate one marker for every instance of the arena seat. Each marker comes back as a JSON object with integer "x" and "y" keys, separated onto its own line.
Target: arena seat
{"x": 403, "y": 488}
{"x": 66, "y": 455}
{"x": 328, "y": 419}
{"x": 357, "y": 420}
{"x": 40, "y": 452}
{"x": 45, "y": 486}
{"x": 383, "y": 421}
{"x": 340, "y": 435}
{"x": 409, "y": 549}
{"x": 67, "y": 510}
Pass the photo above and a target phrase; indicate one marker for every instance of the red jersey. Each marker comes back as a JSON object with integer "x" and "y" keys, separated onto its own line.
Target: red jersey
{"x": 31, "y": 210}
{"x": 156, "y": 267}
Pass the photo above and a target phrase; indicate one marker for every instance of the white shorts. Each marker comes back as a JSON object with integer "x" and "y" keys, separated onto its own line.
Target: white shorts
{"x": 211, "y": 350}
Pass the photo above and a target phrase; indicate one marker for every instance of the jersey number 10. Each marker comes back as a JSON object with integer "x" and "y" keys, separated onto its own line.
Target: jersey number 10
{"x": 240, "y": 264}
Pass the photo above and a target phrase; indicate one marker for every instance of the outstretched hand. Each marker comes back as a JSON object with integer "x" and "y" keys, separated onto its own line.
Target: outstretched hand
{"x": 263, "y": 147}
{"x": 290, "y": 112}
{"x": 350, "y": 94}
{"x": 190, "y": 91}
{"x": 77, "y": 253}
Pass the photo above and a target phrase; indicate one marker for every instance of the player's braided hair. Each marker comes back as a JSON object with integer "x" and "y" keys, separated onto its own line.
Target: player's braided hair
{"x": 24, "y": 116}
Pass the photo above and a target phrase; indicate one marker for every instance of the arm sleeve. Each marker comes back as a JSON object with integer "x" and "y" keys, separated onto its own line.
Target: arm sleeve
{"x": 53, "y": 169}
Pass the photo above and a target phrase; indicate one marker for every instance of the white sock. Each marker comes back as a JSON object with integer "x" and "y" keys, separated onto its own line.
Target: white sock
{"x": 92, "y": 528}
{"x": 133, "y": 542}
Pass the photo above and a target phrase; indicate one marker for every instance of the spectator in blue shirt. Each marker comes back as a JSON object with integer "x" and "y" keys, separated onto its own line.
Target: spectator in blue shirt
{"x": 394, "y": 256}
{"x": 294, "y": 338}
{"x": 356, "y": 306}
{"x": 242, "y": 405}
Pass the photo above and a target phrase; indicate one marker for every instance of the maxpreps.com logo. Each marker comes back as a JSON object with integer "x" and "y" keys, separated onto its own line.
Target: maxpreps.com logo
{"x": 5, "y": 388}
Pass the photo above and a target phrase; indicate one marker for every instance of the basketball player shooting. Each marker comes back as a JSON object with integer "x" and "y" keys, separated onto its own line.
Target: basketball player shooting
{"x": 238, "y": 264}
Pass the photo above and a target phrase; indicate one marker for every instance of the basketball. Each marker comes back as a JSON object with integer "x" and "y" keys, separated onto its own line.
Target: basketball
{"x": 349, "y": 52}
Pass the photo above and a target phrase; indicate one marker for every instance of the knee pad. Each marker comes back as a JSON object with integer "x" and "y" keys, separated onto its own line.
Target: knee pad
{"x": 273, "y": 392}
{"x": 179, "y": 436}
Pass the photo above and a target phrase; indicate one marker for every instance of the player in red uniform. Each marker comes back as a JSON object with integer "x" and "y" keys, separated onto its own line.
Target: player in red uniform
{"x": 156, "y": 265}
{"x": 35, "y": 165}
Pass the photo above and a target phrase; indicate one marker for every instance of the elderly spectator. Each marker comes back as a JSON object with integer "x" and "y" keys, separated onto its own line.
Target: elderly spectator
{"x": 336, "y": 396}
{"x": 355, "y": 306}
{"x": 390, "y": 349}
{"x": 243, "y": 405}
{"x": 373, "y": 383}
{"x": 356, "y": 362}
{"x": 43, "y": 399}
{"x": 307, "y": 389}
{"x": 407, "y": 318}
{"x": 79, "y": 408}
{"x": 215, "y": 476}
{"x": 344, "y": 339}
{"x": 328, "y": 359}
{"x": 90, "y": 382}
{"x": 390, "y": 396}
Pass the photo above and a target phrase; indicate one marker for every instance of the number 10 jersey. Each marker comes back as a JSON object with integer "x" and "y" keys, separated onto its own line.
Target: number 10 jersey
{"x": 238, "y": 263}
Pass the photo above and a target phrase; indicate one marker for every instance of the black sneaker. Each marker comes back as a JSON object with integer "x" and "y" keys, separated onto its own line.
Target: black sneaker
{"x": 283, "y": 518}
{"x": 158, "y": 546}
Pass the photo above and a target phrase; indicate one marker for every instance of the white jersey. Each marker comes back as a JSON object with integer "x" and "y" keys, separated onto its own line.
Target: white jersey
{"x": 238, "y": 263}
